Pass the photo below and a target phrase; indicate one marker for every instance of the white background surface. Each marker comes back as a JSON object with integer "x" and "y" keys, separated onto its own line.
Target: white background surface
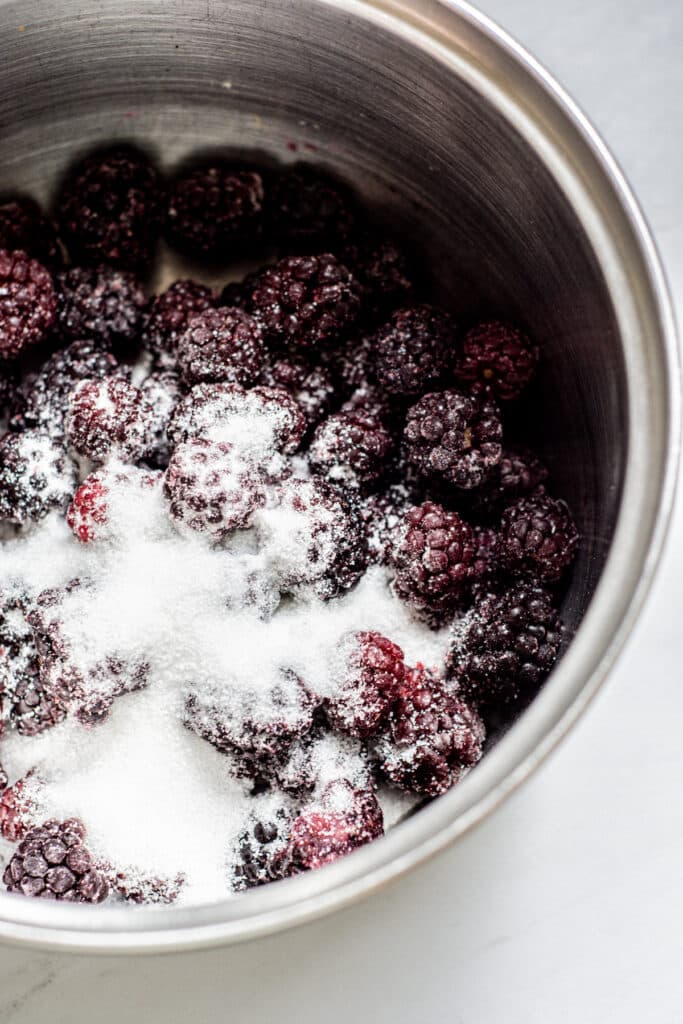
{"x": 567, "y": 905}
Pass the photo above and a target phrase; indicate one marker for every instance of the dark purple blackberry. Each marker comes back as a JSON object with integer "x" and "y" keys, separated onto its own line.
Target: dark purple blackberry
{"x": 108, "y": 679}
{"x": 43, "y": 397}
{"x": 52, "y": 861}
{"x": 538, "y": 537}
{"x": 383, "y": 516}
{"x": 453, "y": 437}
{"x": 18, "y": 656}
{"x": 162, "y": 393}
{"x": 496, "y": 359}
{"x": 36, "y": 476}
{"x": 308, "y": 212}
{"x": 27, "y": 303}
{"x": 304, "y": 302}
{"x": 353, "y": 362}
{"x": 414, "y": 350}
{"x": 100, "y": 303}
{"x": 109, "y": 209}
{"x": 432, "y": 735}
{"x": 433, "y": 559}
{"x": 351, "y": 449}
{"x": 312, "y": 539}
{"x": 7, "y": 394}
{"x": 108, "y": 416}
{"x": 311, "y": 387}
{"x": 214, "y": 210}
{"x": 24, "y": 225}
{"x": 210, "y": 488}
{"x": 369, "y": 670}
{"x": 223, "y": 344}
{"x": 261, "y": 852}
{"x": 519, "y": 472}
{"x": 505, "y": 646}
{"x": 236, "y": 293}
{"x": 321, "y": 837}
{"x": 383, "y": 273}
{"x": 168, "y": 316}
{"x": 486, "y": 563}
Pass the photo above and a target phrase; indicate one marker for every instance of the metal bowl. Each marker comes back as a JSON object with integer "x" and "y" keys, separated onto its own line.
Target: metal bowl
{"x": 469, "y": 145}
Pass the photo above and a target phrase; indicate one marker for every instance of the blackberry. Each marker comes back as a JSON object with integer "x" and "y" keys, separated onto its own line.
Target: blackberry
{"x": 538, "y": 537}
{"x": 321, "y": 837}
{"x": 496, "y": 359}
{"x": 109, "y": 209}
{"x": 210, "y": 489}
{"x": 24, "y": 225}
{"x": 433, "y": 560}
{"x": 383, "y": 273}
{"x": 36, "y": 476}
{"x": 311, "y": 387}
{"x": 311, "y": 539}
{"x": 235, "y": 293}
{"x": 505, "y": 646}
{"x": 52, "y": 861}
{"x": 351, "y": 449}
{"x": 168, "y": 317}
{"x": 352, "y": 363}
{"x": 17, "y": 810}
{"x": 88, "y": 514}
{"x": 133, "y": 887}
{"x": 261, "y": 851}
{"x": 304, "y": 301}
{"x": 413, "y": 351}
{"x": 519, "y": 472}
{"x": 223, "y": 344}
{"x": 108, "y": 417}
{"x": 307, "y": 212}
{"x": 359, "y": 805}
{"x": 162, "y": 393}
{"x": 432, "y": 736}
{"x": 213, "y": 210}
{"x": 7, "y": 394}
{"x": 27, "y": 303}
{"x": 485, "y": 566}
{"x": 453, "y": 437}
{"x": 100, "y": 303}
{"x": 370, "y": 674}
{"x": 382, "y": 516}
{"x": 108, "y": 679}
{"x": 18, "y": 656}
{"x": 317, "y": 756}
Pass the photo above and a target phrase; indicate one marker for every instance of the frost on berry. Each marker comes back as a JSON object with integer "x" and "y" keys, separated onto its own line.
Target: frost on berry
{"x": 223, "y": 344}
{"x": 107, "y": 417}
{"x": 27, "y": 303}
{"x": 161, "y": 391}
{"x": 36, "y": 476}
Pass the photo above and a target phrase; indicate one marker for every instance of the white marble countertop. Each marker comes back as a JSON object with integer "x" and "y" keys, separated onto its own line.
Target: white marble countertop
{"x": 565, "y": 907}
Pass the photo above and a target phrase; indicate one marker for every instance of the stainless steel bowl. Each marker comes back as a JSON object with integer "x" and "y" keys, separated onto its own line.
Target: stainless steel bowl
{"x": 468, "y": 144}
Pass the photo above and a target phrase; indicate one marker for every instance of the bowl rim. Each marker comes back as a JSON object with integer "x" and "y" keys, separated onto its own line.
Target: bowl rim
{"x": 552, "y": 123}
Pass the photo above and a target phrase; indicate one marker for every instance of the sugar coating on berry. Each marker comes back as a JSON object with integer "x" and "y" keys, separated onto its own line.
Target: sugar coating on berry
{"x": 162, "y": 391}
{"x": 28, "y": 303}
{"x": 24, "y": 225}
{"x": 414, "y": 350}
{"x": 382, "y": 515}
{"x": 213, "y": 209}
{"x": 36, "y": 476}
{"x": 351, "y": 449}
{"x": 311, "y": 387}
{"x": 17, "y": 810}
{"x": 107, "y": 417}
{"x": 369, "y": 675}
{"x": 538, "y": 537}
{"x": 102, "y": 304}
{"x": 53, "y": 861}
{"x": 223, "y": 344}
{"x": 111, "y": 502}
{"x": 498, "y": 359}
{"x": 168, "y": 315}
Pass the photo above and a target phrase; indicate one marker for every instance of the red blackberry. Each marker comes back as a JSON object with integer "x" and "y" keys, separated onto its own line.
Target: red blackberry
{"x": 496, "y": 359}
{"x": 433, "y": 559}
{"x": 383, "y": 273}
{"x": 88, "y": 514}
{"x": 107, "y": 417}
{"x": 453, "y": 437}
{"x": 432, "y": 735}
{"x": 310, "y": 386}
{"x": 36, "y": 476}
{"x": 538, "y": 537}
{"x": 506, "y": 645}
{"x": 261, "y": 852}
{"x": 304, "y": 301}
{"x": 27, "y": 303}
{"x": 351, "y": 449}
{"x": 109, "y": 209}
{"x": 23, "y": 225}
{"x": 213, "y": 210}
{"x": 311, "y": 539}
{"x": 370, "y": 673}
{"x": 52, "y": 861}
{"x": 320, "y": 837}
{"x": 162, "y": 393}
{"x": 223, "y": 344}
{"x": 307, "y": 211}
{"x": 414, "y": 350}
{"x": 168, "y": 317}
{"x": 17, "y": 810}
{"x": 383, "y": 516}
{"x": 100, "y": 303}
{"x": 210, "y": 489}
{"x": 360, "y": 806}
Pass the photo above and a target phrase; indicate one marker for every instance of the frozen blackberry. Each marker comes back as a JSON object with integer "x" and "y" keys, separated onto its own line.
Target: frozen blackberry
{"x": 519, "y": 472}
{"x": 311, "y": 539}
{"x": 304, "y": 301}
{"x": 168, "y": 317}
{"x": 108, "y": 679}
{"x": 261, "y": 851}
{"x": 311, "y": 387}
{"x": 453, "y": 437}
{"x": 352, "y": 363}
{"x": 17, "y": 809}
{"x": 359, "y": 805}
{"x": 52, "y": 861}
{"x": 24, "y": 225}
{"x": 433, "y": 560}
{"x": 506, "y": 645}
{"x": 486, "y": 564}
{"x": 214, "y": 210}
{"x": 211, "y": 489}
{"x": 382, "y": 271}
{"x": 496, "y": 359}
{"x": 538, "y": 537}
{"x": 18, "y": 656}
{"x": 36, "y": 476}
{"x": 414, "y": 350}
{"x": 109, "y": 209}
{"x": 108, "y": 417}
{"x": 7, "y": 392}
{"x": 43, "y": 397}
{"x": 370, "y": 672}
{"x": 162, "y": 393}
{"x": 223, "y": 344}
{"x": 351, "y": 449}
{"x": 383, "y": 516}
{"x": 321, "y": 837}
{"x": 307, "y": 211}
{"x": 432, "y": 736}
{"x": 88, "y": 514}
{"x": 236, "y": 293}
{"x": 27, "y": 303}
{"x": 318, "y": 756}
{"x": 100, "y": 303}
